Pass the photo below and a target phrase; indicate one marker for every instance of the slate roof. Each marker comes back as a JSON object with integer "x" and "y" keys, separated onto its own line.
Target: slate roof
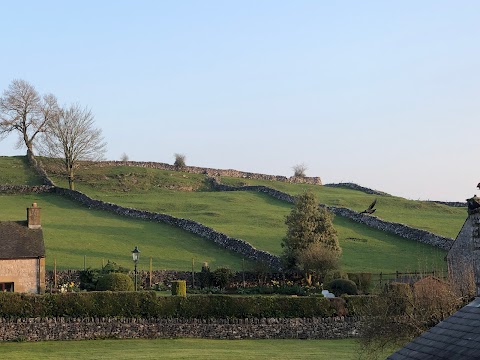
{"x": 457, "y": 337}
{"x": 17, "y": 241}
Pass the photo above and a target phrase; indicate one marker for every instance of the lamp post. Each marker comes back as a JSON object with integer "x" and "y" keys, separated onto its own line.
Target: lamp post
{"x": 136, "y": 256}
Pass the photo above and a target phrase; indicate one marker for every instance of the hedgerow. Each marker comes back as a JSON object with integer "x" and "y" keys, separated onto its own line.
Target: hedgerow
{"x": 148, "y": 305}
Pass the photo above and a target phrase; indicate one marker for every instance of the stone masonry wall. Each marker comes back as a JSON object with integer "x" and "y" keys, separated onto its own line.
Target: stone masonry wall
{"x": 40, "y": 329}
{"x": 22, "y": 272}
{"x": 401, "y": 230}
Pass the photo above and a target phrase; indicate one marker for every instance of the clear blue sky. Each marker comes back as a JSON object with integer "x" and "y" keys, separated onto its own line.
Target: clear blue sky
{"x": 381, "y": 93}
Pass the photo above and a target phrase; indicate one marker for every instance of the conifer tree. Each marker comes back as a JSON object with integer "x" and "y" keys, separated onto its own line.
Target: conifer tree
{"x": 308, "y": 224}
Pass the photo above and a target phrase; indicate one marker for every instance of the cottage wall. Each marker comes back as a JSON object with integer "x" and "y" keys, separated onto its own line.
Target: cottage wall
{"x": 461, "y": 257}
{"x": 24, "y": 273}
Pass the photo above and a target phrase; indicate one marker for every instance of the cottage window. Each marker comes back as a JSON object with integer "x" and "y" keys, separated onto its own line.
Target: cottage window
{"x": 6, "y": 286}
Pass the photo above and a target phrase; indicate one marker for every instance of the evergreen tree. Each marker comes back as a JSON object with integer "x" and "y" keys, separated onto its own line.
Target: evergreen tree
{"x": 308, "y": 224}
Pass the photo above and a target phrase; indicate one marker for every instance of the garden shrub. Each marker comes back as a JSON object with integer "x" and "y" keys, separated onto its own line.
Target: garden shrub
{"x": 342, "y": 286}
{"x": 362, "y": 280}
{"x": 115, "y": 282}
{"x": 89, "y": 277}
{"x": 222, "y": 277}
{"x": 179, "y": 288}
{"x": 333, "y": 275}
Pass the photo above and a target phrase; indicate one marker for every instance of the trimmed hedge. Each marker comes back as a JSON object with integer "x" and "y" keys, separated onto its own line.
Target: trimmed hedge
{"x": 115, "y": 282}
{"x": 148, "y": 305}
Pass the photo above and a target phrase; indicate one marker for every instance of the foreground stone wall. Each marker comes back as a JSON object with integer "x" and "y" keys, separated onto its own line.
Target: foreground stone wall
{"x": 40, "y": 329}
{"x": 401, "y": 230}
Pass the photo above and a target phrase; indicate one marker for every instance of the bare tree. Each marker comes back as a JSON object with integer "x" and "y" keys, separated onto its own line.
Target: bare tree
{"x": 72, "y": 137}
{"x": 24, "y": 111}
{"x": 404, "y": 312}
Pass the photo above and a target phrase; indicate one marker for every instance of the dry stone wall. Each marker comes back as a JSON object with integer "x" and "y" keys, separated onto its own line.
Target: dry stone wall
{"x": 357, "y": 187}
{"x": 215, "y": 172}
{"x": 237, "y": 245}
{"x": 41, "y": 329}
{"x": 401, "y": 230}
{"x": 25, "y": 189}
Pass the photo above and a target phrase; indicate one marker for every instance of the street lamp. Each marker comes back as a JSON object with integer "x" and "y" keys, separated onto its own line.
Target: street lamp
{"x": 136, "y": 256}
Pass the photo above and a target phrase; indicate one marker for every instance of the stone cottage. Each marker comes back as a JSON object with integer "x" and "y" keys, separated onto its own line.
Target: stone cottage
{"x": 22, "y": 254}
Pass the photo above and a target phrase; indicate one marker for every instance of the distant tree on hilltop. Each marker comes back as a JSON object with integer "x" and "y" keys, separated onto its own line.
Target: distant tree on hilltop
{"x": 25, "y": 112}
{"x": 72, "y": 137}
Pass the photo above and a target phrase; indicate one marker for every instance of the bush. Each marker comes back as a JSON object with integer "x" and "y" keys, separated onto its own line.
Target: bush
{"x": 179, "y": 160}
{"x": 222, "y": 277}
{"x": 115, "y": 282}
{"x": 342, "y": 286}
{"x": 299, "y": 170}
{"x": 333, "y": 275}
{"x": 179, "y": 288}
{"x": 362, "y": 280}
{"x": 89, "y": 277}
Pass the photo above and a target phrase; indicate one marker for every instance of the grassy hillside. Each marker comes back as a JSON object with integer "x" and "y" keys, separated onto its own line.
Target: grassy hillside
{"x": 72, "y": 231}
{"x": 254, "y": 217}
{"x": 16, "y": 171}
{"x": 437, "y": 218}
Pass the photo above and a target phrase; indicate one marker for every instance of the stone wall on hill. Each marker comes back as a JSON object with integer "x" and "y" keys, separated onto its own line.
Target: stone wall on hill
{"x": 237, "y": 245}
{"x": 353, "y": 186}
{"x": 401, "y": 230}
{"x": 215, "y": 172}
{"x": 42, "y": 329}
{"x": 26, "y": 189}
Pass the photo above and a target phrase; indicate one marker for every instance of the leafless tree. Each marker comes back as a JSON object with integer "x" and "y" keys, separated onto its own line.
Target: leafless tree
{"x": 404, "y": 312}
{"x": 24, "y": 111}
{"x": 72, "y": 138}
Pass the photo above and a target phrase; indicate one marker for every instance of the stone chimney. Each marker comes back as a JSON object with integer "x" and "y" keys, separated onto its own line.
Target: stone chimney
{"x": 33, "y": 217}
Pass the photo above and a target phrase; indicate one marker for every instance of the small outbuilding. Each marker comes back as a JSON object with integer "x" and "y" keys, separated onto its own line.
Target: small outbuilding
{"x": 22, "y": 254}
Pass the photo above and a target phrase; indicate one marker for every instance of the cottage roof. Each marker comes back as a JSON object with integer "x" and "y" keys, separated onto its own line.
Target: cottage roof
{"x": 17, "y": 241}
{"x": 457, "y": 337}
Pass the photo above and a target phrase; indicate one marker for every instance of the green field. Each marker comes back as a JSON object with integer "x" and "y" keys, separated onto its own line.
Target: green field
{"x": 437, "y": 218}
{"x": 72, "y": 231}
{"x": 183, "y": 349}
{"x": 251, "y": 216}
